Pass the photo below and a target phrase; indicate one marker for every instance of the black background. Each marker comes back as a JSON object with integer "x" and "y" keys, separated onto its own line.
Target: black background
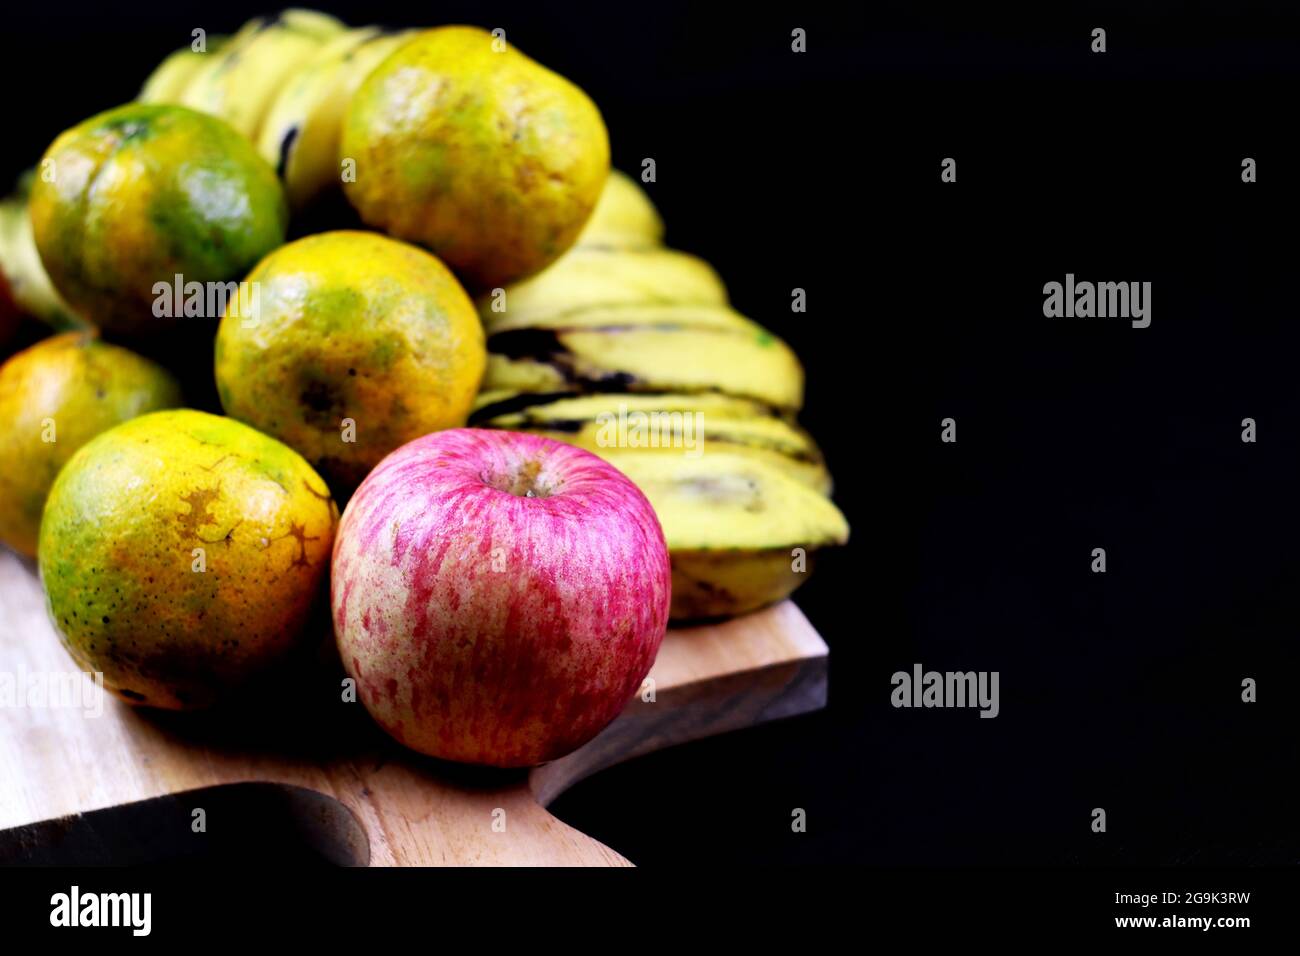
{"x": 821, "y": 171}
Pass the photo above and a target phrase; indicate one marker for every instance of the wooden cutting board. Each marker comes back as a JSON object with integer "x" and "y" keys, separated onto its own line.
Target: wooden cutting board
{"x": 411, "y": 810}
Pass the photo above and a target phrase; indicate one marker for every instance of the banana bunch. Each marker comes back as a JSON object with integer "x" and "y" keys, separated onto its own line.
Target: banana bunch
{"x": 629, "y": 349}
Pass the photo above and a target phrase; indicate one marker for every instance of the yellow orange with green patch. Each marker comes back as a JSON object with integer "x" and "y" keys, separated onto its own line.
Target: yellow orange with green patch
{"x": 181, "y": 553}
{"x": 139, "y": 194}
{"x": 359, "y": 344}
{"x": 466, "y": 146}
{"x": 54, "y": 397}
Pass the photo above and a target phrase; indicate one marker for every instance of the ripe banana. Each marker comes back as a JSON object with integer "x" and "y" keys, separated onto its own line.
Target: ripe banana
{"x": 239, "y": 81}
{"x": 624, "y": 218}
{"x": 640, "y": 315}
{"x": 588, "y": 276}
{"x": 740, "y": 532}
{"x": 530, "y": 410}
{"x": 301, "y": 131}
{"x": 745, "y": 362}
{"x": 672, "y": 424}
{"x": 29, "y": 285}
{"x": 167, "y": 82}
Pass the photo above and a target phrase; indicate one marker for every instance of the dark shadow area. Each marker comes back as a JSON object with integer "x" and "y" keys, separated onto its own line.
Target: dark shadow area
{"x": 241, "y": 824}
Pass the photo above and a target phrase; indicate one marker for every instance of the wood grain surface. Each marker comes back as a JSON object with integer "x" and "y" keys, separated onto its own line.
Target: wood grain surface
{"x": 57, "y": 761}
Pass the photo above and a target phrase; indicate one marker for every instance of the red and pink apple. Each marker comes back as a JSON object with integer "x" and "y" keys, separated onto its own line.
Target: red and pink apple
{"x": 497, "y": 597}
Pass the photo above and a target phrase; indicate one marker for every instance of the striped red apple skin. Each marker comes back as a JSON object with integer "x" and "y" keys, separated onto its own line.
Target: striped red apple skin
{"x": 497, "y": 597}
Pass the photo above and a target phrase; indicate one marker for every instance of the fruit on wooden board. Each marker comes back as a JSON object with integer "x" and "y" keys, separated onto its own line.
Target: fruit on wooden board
{"x": 497, "y": 597}
{"x": 470, "y": 148}
{"x": 352, "y": 327}
{"x": 54, "y": 397}
{"x": 180, "y": 553}
{"x": 143, "y": 193}
{"x": 615, "y": 326}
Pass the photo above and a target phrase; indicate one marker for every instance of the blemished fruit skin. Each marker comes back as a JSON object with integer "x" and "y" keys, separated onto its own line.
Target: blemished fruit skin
{"x": 671, "y": 424}
{"x": 54, "y": 397}
{"x": 497, "y": 597}
{"x": 180, "y": 553}
{"x": 144, "y": 192}
{"x": 479, "y": 154}
{"x": 355, "y": 327}
{"x": 741, "y": 532}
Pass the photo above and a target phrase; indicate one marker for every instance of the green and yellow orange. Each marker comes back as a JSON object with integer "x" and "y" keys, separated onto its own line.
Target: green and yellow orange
{"x": 55, "y": 397}
{"x": 466, "y": 146}
{"x": 181, "y": 553}
{"x": 139, "y": 194}
{"x": 360, "y": 344}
